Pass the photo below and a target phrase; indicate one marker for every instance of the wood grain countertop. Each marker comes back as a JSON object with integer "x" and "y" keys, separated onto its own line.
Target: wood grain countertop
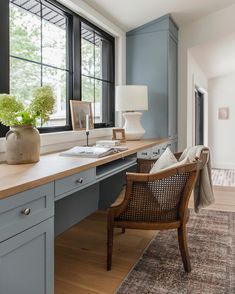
{"x": 18, "y": 178}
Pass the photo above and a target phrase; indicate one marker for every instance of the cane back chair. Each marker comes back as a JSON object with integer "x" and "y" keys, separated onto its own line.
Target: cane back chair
{"x": 155, "y": 202}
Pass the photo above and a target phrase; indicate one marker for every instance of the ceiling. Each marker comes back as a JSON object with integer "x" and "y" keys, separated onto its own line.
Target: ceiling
{"x": 217, "y": 58}
{"x": 129, "y": 14}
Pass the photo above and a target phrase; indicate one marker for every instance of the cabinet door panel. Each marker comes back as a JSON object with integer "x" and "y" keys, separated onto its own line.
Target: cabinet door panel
{"x": 172, "y": 88}
{"x": 26, "y": 261}
{"x": 146, "y": 65}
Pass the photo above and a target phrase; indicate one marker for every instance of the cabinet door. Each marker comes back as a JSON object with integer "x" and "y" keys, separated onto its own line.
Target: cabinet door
{"x": 27, "y": 261}
{"x": 172, "y": 88}
{"x": 147, "y": 65}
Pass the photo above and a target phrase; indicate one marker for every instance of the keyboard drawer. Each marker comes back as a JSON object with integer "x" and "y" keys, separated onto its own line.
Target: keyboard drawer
{"x": 75, "y": 182}
{"x": 26, "y": 209}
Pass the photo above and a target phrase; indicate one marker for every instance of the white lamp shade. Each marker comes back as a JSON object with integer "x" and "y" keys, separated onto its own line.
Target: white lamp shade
{"x": 131, "y": 98}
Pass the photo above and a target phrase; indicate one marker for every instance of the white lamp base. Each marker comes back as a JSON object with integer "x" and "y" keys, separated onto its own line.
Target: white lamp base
{"x": 132, "y": 126}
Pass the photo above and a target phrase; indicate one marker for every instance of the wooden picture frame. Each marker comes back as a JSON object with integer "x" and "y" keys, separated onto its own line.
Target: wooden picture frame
{"x": 119, "y": 134}
{"x": 79, "y": 110}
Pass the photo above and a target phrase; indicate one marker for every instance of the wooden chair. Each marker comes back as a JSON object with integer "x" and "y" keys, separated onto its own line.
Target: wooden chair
{"x": 155, "y": 202}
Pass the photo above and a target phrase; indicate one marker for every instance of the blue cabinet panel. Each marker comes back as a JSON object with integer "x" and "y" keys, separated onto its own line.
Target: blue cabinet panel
{"x": 27, "y": 261}
{"x": 152, "y": 60}
{"x": 146, "y": 54}
{"x": 172, "y": 88}
{"x": 70, "y": 210}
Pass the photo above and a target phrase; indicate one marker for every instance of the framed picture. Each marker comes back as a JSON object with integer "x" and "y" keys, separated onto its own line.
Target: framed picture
{"x": 119, "y": 134}
{"x": 79, "y": 110}
{"x": 223, "y": 113}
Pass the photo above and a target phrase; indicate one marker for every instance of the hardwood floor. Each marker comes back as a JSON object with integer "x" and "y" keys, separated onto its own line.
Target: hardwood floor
{"x": 80, "y": 257}
{"x": 80, "y": 252}
{"x": 224, "y": 199}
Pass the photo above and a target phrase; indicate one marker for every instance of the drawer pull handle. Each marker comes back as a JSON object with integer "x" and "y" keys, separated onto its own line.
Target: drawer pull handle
{"x": 79, "y": 181}
{"x": 26, "y": 211}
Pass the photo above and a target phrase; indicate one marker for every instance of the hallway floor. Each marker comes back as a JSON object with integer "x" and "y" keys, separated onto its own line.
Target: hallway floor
{"x": 223, "y": 177}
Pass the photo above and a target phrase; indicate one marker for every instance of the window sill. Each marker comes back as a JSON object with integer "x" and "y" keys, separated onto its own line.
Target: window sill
{"x": 53, "y": 142}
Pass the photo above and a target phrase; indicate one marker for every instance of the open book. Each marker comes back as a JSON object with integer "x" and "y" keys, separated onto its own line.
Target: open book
{"x": 87, "y": 151}
{"x": 94, "y": 151}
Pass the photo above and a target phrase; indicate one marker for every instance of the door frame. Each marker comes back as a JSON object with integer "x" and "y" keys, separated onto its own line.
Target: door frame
{"x": 205, "y": 113}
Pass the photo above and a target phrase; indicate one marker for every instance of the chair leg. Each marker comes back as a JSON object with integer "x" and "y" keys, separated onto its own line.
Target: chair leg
{"x": 183, "y": 246}
{"x": 109, "y": 247}
{"x": 123, "y": 230}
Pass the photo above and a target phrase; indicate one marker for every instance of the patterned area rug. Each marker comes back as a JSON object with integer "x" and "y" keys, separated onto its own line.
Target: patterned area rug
{"x": 212, "y": 251}
{"x": 223, "y": 177}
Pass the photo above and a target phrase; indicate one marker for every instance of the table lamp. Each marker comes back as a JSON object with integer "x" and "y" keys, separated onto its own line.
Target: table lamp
{"x": 129, "y": 99}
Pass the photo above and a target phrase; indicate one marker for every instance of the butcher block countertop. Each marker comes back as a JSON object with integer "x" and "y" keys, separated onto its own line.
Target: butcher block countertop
{"x": 18, "y": 178}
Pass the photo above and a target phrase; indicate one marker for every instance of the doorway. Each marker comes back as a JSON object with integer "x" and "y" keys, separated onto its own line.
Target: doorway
{"x": 199, "y": 117}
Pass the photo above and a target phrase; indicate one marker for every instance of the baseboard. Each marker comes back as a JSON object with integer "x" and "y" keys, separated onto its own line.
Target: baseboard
{"x": 223, "y": 165}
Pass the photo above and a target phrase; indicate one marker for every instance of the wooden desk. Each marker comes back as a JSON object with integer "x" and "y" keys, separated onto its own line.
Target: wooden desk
{"x": 34, "y": 205}
{"x": 18, "y": 178}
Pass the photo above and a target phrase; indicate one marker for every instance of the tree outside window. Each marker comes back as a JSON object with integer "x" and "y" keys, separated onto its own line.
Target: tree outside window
{"x": 38, "y": 55}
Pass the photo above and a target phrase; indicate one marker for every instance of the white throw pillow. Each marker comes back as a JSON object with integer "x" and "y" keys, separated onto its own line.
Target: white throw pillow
{"x": 166, "y": 160}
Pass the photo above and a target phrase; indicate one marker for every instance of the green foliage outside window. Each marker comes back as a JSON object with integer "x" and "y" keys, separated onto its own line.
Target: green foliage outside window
{"x": 14, "y": 112}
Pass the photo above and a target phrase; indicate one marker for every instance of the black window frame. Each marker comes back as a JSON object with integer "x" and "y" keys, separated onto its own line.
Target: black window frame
{"x": 112, "y": 74}
{"x": 74, "y": 62}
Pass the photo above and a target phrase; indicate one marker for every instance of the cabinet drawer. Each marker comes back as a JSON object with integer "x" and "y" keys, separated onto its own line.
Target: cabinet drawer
{"x": 24, "y": 210}
{"x": 145, "y": 154}
{"x": 164, "y": 146}
{"x": 156, "y": 151}
{"x": 75, "y": 182}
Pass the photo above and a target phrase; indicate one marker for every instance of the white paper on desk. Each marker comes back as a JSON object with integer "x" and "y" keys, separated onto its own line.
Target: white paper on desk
{"x": 83, "y": 151}
{"x": 120, "y": 148}
{"x": 94, "y": 151}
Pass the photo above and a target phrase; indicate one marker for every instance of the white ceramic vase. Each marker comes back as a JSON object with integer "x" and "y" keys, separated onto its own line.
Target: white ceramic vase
{"x": 22, "y": 144}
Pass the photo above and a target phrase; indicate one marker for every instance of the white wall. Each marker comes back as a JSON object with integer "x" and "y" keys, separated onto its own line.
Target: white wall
{"x": 207, "y": 29}
{"x": 221, "y": 132}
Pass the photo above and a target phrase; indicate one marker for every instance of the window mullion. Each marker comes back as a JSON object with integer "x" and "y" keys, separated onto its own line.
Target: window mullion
{"x": 94, "y": 76}
{"x": 4, "y": 48}
{"x": 41, "y": 43}
{"x": 4, "y": 54}
{"x": 76, "y": 58}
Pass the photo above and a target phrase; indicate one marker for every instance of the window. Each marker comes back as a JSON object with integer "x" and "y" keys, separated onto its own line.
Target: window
{"x": 50, "y": 45}
{"x": 97, "y": 73}
{"x": 38, "y": 53}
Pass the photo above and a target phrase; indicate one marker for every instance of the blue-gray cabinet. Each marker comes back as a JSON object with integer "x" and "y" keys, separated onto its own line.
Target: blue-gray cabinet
{"x": 26, "y": 261}
{"x": 27, "y": 242}
{"x": 152, "y": 60}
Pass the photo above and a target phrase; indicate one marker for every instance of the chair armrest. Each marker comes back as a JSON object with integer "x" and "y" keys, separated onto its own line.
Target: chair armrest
{"x": 120, "y": 198}
{"x": 147, "y": 177}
